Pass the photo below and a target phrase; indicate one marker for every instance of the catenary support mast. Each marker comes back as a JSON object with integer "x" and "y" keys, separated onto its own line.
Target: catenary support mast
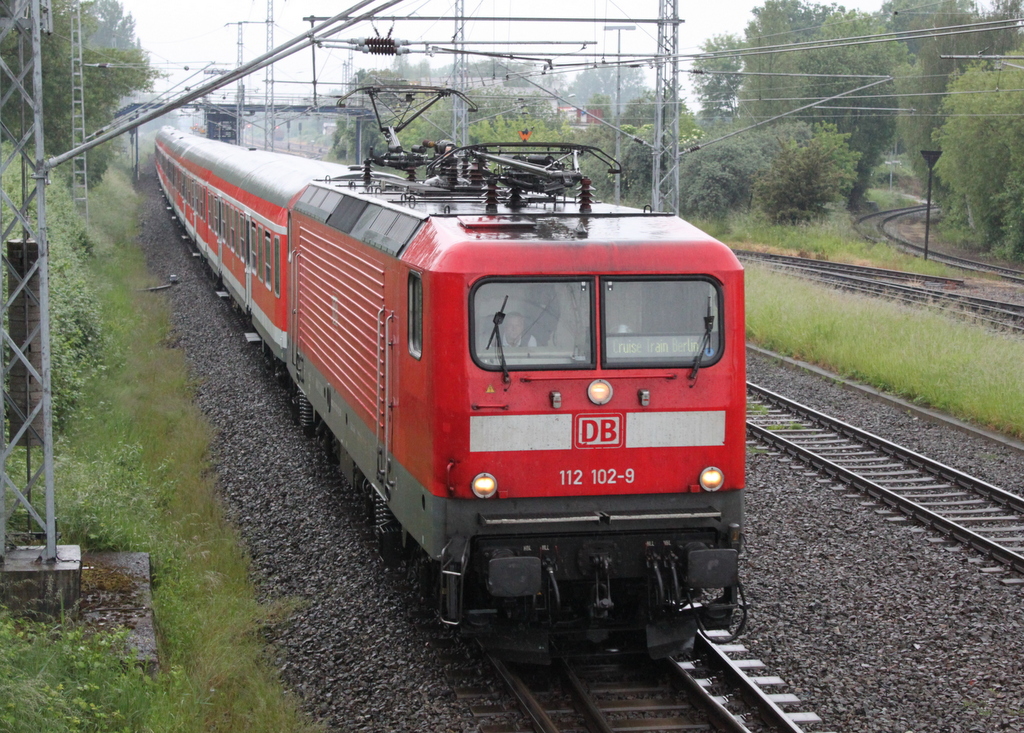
{"x": 26, "y": 437}
{"x": 80, "y": 173}
{"x": 665, "y": 165}
{"x": 460, "y": 113}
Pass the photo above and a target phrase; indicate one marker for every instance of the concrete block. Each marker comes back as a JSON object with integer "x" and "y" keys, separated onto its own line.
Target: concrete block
{"x": 117, "y": 594}
{"x": 43, "y": 591}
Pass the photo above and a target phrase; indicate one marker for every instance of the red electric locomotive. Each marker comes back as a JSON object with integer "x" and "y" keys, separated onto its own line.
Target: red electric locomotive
{"x": 543, "y": 397}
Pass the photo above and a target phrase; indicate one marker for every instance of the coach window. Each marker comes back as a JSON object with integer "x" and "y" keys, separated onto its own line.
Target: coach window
{"x": 415, "y": 315}
{"x": 657, "y": 322}
{"x": 258, "y": 246}
{"x": 532, "y": 324}
{"x": 277, "y": 266}
{"x": 253, "y": 245}
{"x": 266, "y": 259}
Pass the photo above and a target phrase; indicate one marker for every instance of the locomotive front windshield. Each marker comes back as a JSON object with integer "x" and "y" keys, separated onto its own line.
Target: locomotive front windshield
{"x": 549, "y": 324}
{"x": 533, "y": 324}
{"x": 659, "y": 323}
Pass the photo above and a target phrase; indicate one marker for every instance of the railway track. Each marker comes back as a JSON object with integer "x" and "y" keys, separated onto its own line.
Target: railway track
{"x": 718, "y": 689}
{"x": 907, "y": 485}
{"x": 895, "y": 285}
{"x": 841, "y": 268}
{"x": 884, "y": 223}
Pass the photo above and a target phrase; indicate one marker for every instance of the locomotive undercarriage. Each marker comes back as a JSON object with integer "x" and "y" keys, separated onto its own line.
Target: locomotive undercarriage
{"x": 531, "y": 597}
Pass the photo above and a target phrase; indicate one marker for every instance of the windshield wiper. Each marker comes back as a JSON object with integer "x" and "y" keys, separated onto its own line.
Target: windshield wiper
{"x": 499, "y": 318}
{"x": 705, "y": 342}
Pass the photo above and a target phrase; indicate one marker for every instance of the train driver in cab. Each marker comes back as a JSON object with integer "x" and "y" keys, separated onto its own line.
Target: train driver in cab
{"x": 514, "y": 333}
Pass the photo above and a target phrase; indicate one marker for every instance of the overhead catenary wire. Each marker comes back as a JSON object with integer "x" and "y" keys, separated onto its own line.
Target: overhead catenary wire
{"x": 335, "y": 24}
{"x": 695, "y": 148}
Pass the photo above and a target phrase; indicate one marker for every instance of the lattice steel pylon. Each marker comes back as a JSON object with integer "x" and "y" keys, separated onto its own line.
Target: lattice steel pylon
{"x": 26, "y": 430}
{"x": 80, "y": 168}
{"x": 665, "y": 166}
{"x": 270, "y": 123}
{"x": 460, "y": 82}
{"x": 239, "y": 94}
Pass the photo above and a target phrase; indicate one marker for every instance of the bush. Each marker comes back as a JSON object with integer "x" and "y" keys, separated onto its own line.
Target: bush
{"x": 804, "y": 179}
{"x": 76, "y": 336}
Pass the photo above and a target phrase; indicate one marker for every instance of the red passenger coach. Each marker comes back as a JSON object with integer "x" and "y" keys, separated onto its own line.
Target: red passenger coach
{"x": 542, "y": 397}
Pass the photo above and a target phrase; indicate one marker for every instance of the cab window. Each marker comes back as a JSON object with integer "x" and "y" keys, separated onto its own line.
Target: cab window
{"x": 659, "y": 322}
{"x": 415, "y": 315}
{"x": 532, "y": 324}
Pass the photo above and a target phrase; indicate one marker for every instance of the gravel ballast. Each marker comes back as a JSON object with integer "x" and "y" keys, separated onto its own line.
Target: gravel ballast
{"x": 874, "y": 627}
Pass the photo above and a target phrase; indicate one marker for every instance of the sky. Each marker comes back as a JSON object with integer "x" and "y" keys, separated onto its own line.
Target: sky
{"x": 203, "y": 34}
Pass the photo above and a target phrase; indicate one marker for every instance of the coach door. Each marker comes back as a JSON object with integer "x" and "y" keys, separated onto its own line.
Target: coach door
{"x": 250, "y": 244}
{"x": 386, "y": 325}
{"x": 293, "y": 301}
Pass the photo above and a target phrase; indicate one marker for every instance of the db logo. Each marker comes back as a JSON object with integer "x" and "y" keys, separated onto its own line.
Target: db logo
{"x": 599, "y": 431}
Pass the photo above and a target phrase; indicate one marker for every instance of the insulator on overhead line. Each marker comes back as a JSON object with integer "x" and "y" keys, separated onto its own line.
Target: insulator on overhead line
{"x": 380, "y": 46}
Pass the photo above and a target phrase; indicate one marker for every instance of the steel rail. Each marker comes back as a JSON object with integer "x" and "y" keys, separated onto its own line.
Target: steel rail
{"x": 845, "y": 268}
{"x": 752, "y": 693}
{"x": 958, "y": 262}
{"x": 998, "y": 313}
{"x": 849, "y": 476}
{"x": 596, "y": 721}
{"x": 717, "y": 713}
{"x": 994, "y": 312}
{"x": 530, "y": 705}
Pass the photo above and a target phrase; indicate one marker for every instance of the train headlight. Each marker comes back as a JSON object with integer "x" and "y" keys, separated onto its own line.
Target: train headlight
{"x": 599, "y": 392}
{"x": 711, "y": 479}
{"x": 485, "y": 486}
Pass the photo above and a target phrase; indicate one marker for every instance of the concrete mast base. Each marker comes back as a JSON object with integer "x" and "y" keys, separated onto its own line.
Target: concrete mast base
{"x": 40, "y": 590}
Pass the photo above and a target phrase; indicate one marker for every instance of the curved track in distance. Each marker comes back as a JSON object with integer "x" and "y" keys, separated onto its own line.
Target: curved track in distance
{"x": 884, "y": 222}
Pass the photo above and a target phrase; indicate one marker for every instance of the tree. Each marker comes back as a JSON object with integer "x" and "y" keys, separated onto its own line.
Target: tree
{"x": 817, "y": 74}
{"x": 804, "y": 179}
{"x": 603, "y": 81}
{"x": 126, "y": 71}
{"x": 720, "y": 178}
{"x": 982, "y": 165}
{"x": 777, "y": 22}
{"x": 111, "y": 27}
{"x": 716, "y": 86}
{"x": 928, "y": 75}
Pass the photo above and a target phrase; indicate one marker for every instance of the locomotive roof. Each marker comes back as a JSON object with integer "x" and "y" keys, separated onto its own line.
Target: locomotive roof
{"x": 464, "y": 217}
{"x": 539, "y": 220}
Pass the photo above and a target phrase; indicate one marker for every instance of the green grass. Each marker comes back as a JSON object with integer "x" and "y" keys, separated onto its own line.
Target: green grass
{"x": 931, "y": 359}
{"x": 886, "y": 199}
{"x": 833, "y": 239}
{"x": 133, "y": 474}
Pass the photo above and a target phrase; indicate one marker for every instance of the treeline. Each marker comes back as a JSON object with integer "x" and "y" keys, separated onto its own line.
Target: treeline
{"x": 114, "y": 67}
{"x": 889, "y": 97}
